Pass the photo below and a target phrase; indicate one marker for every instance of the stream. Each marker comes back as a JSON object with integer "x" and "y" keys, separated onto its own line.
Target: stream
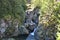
{"x": 31, "y": 35}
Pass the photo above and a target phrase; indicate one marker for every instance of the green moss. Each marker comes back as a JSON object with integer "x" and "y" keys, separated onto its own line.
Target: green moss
{"x": 13, "y": 9}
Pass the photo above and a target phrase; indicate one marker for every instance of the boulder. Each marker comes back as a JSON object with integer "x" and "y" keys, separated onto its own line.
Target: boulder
{"x": 30, "y": 26}
{"x": 47, "y": 33}
{"x": 11, "y": 29}
{"x": 23, "y": 30}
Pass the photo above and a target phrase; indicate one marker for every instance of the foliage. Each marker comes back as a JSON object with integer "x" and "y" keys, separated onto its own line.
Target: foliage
{"x": 12, "y": 9}
{"x": 49, "y": 14}
{"x": 57, "y": 14}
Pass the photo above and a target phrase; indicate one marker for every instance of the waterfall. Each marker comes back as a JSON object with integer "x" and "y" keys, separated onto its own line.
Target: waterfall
{"x": 33, "y": 32}
{"x": 31, "y": 35}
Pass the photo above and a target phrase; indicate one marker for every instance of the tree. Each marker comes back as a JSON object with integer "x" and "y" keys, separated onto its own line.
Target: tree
{"x": 12, "y": 9}
{"x": 49, "y": 16}
{"x": 12, "y": 14}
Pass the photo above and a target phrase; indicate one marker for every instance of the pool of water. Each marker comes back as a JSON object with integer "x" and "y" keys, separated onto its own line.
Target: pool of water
{"x": 21, "y": 37}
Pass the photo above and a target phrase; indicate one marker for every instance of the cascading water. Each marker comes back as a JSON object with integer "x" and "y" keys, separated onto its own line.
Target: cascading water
{"x": 34, "y": 19}
{"x": 31, "y": 35}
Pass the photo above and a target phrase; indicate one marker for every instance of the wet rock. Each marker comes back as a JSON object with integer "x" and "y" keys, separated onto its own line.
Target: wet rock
{"x": 30, "y": 25}
{"x": 31, "y": 20}
{"x": 30, "y": 37}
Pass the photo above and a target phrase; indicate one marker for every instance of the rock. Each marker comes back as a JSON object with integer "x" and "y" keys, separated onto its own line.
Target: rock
{"x": 10, "y": 28}
{"x": 47, "y": 33}
{"x": 11, "y": 17}
{"x": 28, "y": 20}
{"x": 3, "y": 27}
{"x": 16, "y": 32}
{"x": 31, "y": 20}
{"x": 8, "y": 39}
{"x": 39, "y": 33}
{"x": 30, "y": 25}
{"x": 23, "y": 30}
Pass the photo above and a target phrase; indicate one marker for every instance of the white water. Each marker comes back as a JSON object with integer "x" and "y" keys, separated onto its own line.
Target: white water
{"x": 33, "y": 32}
{"x": 31, "y": 35}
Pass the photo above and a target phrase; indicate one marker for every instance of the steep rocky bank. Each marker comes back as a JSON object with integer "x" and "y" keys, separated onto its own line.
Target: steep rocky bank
{"x": 11, "y": 29}
{"x": 22, "y": 32}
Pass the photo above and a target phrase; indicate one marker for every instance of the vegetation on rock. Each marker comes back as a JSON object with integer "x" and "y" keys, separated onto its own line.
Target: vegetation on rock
{"x": 12, "y": 9}
{"x": 49, "y": 16}
{"x": 12, "y": 15}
